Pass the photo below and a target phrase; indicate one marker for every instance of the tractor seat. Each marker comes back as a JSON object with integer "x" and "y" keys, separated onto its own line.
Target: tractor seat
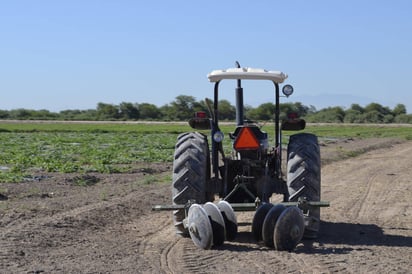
{"x": 260, "y": 135}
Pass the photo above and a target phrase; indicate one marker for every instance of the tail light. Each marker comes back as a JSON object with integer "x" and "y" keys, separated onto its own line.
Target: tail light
{"x": 200, "y": 121}
{"x": 200, "y": 114}
{"x": 293, "y": 115}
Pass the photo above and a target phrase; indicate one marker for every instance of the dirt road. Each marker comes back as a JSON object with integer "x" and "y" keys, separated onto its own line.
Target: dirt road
{"x": 53, "y": 226}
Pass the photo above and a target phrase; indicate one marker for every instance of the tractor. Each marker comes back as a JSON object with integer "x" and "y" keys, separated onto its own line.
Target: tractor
{"x": 248, "y": 176}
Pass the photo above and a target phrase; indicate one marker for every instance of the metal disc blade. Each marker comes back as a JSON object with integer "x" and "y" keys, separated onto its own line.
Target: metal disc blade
{"x": 230, "y": 219}
{"x": 269, "y": 224}
{"x": 289, "y": 229}
{"x": 200, "y": 228}
{"x": 217, "y": 222}
{"x": 258, "y": 219}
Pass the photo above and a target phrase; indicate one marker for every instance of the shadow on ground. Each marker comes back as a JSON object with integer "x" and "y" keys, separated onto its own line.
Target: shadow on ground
{"x": 338, "y": 238}
{"x": 346, "y": 237}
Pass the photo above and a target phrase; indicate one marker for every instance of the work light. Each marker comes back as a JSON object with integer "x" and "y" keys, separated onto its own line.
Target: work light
{"x": 218, "y": 136}
{"x": 287, "y": 90}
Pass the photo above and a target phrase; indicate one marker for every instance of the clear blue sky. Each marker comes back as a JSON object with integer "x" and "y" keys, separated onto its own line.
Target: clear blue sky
{"x": 73, "y": 54}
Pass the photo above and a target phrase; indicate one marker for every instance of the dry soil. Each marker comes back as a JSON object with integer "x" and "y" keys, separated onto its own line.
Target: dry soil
{"x": 52, "y": 225}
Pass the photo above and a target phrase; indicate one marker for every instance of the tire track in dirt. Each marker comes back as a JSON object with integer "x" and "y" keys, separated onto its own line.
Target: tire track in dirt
{"x": 157, "y": 241}
{"x": 64, "y": 229}
{"x": 355, "y": 211}
{"x": 384, "y": 178}
{"x": 243, "y": 255}
{"x": 388, "y": 204}
{"x": 168, "y": 261}
{"x": 62, "y": 218}
{"x": 166, "y": 252}
{"x": 360, "y": 187}
{"x": 366, "y": 195}
{"x": 182, "y": 256}
{"x": 312, "y": 262}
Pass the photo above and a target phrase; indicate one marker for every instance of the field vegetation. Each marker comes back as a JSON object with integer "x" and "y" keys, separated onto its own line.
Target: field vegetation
{"x": 27, "y": 149}
{"x": 184, "y": 106}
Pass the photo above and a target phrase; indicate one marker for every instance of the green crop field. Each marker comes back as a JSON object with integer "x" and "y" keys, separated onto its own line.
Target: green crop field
{"x": 116, "y": 147}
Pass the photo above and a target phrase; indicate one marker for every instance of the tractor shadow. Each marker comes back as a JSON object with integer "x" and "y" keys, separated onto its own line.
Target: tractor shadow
{"x": 347, "y": 237}
{"x": 334, "y": 238}
{"x": 244, "y": 242}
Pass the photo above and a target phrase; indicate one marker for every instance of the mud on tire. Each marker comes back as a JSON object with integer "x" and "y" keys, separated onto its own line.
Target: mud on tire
{"x": 303, "y": 176}
{"x": 191, "y": 173}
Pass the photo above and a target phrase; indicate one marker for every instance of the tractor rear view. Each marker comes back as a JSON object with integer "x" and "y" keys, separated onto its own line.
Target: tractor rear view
{"x": 248, "y": 176}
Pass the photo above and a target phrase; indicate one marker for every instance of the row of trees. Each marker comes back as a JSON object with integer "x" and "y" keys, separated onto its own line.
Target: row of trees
{"x": 183, "y": 107}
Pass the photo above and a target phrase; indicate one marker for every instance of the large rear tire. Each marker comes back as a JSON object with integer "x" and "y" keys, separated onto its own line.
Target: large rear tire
{"x": 303, "y": 176}
{"x": 191, "y": 174}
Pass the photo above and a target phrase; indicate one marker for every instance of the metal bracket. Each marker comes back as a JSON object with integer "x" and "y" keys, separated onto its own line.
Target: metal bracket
{"x": 303, "y": 205}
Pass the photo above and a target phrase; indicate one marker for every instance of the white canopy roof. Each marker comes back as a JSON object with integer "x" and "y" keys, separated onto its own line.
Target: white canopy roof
{"x": 247, "y": 73}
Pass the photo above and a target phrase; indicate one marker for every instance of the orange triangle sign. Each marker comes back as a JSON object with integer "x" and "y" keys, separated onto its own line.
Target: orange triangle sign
{"x": 246, "y": 140}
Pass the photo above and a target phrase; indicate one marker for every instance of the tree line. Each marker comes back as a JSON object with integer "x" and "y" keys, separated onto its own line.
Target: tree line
{"x": 183, "y": 107}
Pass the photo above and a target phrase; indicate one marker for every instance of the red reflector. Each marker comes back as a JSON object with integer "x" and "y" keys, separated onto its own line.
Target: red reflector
{"x": 292, "y": 115}
{"x": 246, "y": 140}
{"x": 200, "y": 114}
